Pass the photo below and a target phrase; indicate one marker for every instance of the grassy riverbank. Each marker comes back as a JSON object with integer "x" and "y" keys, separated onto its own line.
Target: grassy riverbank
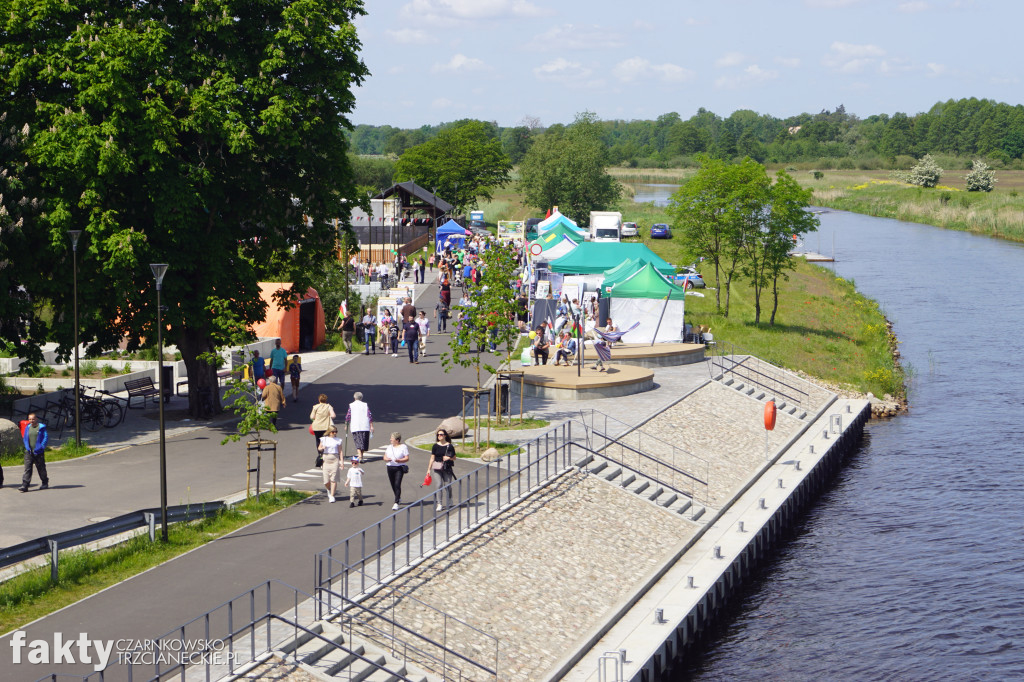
{"x": 999, "y": 213}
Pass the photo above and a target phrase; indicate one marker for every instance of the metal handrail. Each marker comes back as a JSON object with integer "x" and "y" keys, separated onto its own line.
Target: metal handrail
{"x": 721, "y": 356}
{"x": 246, "y": 628}
{"x": 474, "y": 492}
{"x": 349, "y": 605}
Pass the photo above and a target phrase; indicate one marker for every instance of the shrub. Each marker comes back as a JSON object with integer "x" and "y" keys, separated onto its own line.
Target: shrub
{"x": 88, "y": 367}
{"x": 127, "y": 368}
{"x": 845, "y": 163}
{"x": 818, "y": 175}
{"x": 109, "y": 371}
{"x": 981, "y": 178}
{"x": 945, "y": 197}
{"x": 925, "y": 174}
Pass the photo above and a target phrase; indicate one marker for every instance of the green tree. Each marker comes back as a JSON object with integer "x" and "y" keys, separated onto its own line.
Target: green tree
{"x": 516, "y": 142}
{"x": 926, "y": 173}
{"x": 714, "y": 210}
{"x": 780, "y": 214}
{"x": 465, "y": 162}
{"x": 195, "y": 134}
{"x": 567, "y": 168}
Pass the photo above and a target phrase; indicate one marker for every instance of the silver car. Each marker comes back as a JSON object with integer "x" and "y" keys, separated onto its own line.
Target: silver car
{"x": 630, "y": 230}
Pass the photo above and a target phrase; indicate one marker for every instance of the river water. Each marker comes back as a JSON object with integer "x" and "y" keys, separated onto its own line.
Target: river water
{"x": 911, "y": 567}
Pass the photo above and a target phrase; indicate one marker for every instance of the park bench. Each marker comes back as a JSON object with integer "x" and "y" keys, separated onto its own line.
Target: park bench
{"x": 141, "y": 388}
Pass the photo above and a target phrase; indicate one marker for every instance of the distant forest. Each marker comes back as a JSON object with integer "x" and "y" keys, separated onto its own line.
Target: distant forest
{"x": 967, "y": 128}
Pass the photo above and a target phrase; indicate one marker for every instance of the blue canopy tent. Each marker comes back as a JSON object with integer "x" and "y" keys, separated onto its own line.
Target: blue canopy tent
{"x": 452, "y": 233}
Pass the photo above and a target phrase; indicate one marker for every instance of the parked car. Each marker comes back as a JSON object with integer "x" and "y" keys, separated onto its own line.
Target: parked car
{"x": 629, "y": 230}
{"x": 661, "y": 231}
{"x": 689, "y": 278}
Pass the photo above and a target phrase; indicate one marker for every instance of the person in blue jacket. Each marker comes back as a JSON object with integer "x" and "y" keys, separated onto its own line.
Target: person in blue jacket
{"x": 34, "y": 439}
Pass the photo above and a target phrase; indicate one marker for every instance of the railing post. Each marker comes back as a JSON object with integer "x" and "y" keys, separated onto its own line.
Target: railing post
{"x": 54, "y": 557}
{"x": 151, "y": 522}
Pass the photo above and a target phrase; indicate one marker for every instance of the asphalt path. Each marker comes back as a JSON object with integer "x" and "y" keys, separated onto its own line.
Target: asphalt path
{"x": 404, "y": 397}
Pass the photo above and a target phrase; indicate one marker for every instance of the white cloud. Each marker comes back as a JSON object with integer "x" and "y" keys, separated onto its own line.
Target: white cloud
{"x": 751, "y": 75}
{"x": 410, "y": 36}
{"x": 460, "y": 63}
{"x": 691, "y": 21}
{"x": 731, "y": 59}
{"x": 638, "y": 68}
{"x": 913, "y": 6}
{"x": 936, "y": 69}
{"x": 643, "y": 25}
{"x": 788, "y": 62}
{"x": 446, "y": 11}
{"x": 561, "y": 70}
{"x": 850, "y": 58}
{"x": 576, "y": 37}
{"x": 441, "y": 103}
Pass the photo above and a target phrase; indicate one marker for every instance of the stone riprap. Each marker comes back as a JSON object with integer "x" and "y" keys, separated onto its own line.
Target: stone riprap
{"x": 536, "y": 577}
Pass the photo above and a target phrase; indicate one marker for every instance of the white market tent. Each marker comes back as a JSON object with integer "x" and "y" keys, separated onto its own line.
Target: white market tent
{"x": 647, "y": 297}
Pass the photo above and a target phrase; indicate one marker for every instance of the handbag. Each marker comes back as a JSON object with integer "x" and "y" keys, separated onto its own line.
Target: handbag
{"x": 319, "y": 461}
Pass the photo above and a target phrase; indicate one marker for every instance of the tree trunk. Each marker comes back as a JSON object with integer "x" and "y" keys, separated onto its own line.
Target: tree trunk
{"x": 192, "y": 343}
{"x": 775, "y": 299}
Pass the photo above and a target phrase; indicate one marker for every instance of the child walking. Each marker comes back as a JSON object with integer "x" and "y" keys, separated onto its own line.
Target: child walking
{"x": 354, "y": 481}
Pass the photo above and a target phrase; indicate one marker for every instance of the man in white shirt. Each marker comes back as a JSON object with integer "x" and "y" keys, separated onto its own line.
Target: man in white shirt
{"x": 382, "y": 273}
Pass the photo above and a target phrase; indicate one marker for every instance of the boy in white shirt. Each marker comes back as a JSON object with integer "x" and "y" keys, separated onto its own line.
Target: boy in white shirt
{"x": 354, "y": 481}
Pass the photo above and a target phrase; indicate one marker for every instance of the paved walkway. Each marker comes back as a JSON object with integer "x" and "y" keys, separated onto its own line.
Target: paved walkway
{"x": 404, "y": 397}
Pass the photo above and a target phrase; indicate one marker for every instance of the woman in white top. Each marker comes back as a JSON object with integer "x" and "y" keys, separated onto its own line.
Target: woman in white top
{"x": 330, "y": 446}
{"x": 396, "y": 456}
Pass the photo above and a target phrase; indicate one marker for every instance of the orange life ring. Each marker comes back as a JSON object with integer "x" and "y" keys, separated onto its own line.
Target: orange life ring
{"x": 769, "y": 415}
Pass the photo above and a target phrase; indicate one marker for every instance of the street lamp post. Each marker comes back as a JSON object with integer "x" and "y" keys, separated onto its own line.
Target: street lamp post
{"x": 159, "y": 270}
{"x": 75, "y": 234}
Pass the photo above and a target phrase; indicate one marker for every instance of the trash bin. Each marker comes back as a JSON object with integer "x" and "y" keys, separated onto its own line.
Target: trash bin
{"x": 501, "y": 394}
{"x": 167, "y": 382}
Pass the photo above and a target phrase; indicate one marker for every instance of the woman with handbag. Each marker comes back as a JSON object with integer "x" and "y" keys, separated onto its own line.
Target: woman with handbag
{"x": 442, "y": 465}
{"x": 396, "y": 457}
{"x": 322, "y": 415}
{"x": 332, "y": 465}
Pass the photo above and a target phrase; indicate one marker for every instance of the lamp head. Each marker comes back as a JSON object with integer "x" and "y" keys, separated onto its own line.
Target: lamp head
{"x": 74, "y": 234}
{"x": 159, "y": 270}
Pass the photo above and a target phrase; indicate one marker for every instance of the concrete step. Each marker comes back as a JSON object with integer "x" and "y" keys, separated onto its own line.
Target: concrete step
{"x": 304, "y": 637}
{"x": 654, "y": 492}
{"x": 311, "y": 650}
{"x": 683, "y": 505}
{"x": 698, "y": 511}
{"x": 583, "y": 461}
{"x": 599, "y": 467}
{"x": 728, "y": 381}
{"x": 759, "y": 396}
{"x": 627, "y": 480}
{"x": 611, "y": 473}
{"x": 667, "y": 500}
{"x": 641, "y": 485}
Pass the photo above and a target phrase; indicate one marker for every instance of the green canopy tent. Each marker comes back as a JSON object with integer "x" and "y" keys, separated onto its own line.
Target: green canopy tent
{"x": 620, "y": 272}
{"x": 650, "y": 299}
{"x": 597, "y": 257}
{"x": 555, "y": 243}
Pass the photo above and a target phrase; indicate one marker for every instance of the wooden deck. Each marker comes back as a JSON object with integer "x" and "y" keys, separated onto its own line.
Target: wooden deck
{"x": 565, "y": 383}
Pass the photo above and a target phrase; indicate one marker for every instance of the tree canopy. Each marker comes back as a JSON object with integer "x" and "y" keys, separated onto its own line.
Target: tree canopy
{"x": 464, "y": 163}
{"x": 566, "y": 167}
{"x": 194, "y": 134}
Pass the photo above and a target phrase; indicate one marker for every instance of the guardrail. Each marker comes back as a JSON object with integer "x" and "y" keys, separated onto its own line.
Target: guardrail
{"x": 52, "y": 544}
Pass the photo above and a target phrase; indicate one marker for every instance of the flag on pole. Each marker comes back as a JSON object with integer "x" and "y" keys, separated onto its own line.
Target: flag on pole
{"x": 343, "y": 309}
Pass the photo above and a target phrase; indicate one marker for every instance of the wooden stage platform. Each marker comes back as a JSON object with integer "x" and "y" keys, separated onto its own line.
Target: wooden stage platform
{"x": 658, "y": 355}
{"x": 562, "y": 383}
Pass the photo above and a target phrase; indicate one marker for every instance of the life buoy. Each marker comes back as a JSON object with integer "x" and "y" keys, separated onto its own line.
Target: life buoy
{"x": 769, "y": 415}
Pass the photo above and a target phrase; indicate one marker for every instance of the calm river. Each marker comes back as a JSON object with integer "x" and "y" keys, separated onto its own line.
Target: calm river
{"x": 912, "y": 566}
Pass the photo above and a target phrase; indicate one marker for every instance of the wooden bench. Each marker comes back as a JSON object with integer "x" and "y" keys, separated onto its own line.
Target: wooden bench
{"x": 141, "y": 388}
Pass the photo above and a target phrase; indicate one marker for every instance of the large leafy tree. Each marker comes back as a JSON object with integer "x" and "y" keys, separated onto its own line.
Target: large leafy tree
{"x": 197, "y": 134}
{"x": 566, "y": 167}
{"x": 464, "y": 163}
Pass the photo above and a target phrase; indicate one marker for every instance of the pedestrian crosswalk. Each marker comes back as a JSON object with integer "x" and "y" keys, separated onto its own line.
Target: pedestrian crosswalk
{"x": 314, "y": 476}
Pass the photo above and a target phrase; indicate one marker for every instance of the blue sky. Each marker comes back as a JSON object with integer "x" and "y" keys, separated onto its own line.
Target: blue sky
{"x": 504, "y": 60}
